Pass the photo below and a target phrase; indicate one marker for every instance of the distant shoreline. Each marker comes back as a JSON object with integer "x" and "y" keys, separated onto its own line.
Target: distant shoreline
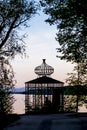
{"x": 17, "y": 92}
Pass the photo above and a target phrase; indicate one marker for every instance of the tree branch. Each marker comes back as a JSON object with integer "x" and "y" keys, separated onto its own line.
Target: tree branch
{"x": 8, "y": 32}
{"x": 20, "y": 22}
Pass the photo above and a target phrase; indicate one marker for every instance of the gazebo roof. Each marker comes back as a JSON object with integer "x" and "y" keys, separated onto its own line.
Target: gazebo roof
{"x": 44, "y": 69}
{"x": 44, "y": 79}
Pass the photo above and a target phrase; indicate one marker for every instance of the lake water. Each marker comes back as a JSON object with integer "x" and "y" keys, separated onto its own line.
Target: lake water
{"x": 19, "y": 105}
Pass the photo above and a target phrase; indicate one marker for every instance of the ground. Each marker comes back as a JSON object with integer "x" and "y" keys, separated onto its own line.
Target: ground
{"x": 5, "y": 120}
{"x": 62, "y": 121}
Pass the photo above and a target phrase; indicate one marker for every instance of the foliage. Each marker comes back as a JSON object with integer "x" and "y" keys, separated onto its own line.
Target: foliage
{"x": 79, "y": 75}
{"x": 76, "y": 97}
{"x": 71, "y": 19}
{"x": 78, "y": 80}
{"x": 78, "y": 83}
{"x": 7, "y": 83}
{"x": 76, "y": 90}
{"x": 69, "y": 103}
{"x": 14, "y": 14}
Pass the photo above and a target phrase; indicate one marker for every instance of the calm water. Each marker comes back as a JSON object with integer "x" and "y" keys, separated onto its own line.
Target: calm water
{"x": 19, "y": 105}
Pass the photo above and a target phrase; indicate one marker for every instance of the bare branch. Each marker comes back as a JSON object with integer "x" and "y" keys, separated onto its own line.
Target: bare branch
{"x": 9, "y": 31}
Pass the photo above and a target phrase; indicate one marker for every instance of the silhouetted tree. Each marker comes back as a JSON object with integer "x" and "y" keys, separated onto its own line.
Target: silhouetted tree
{"x": 7, "y": 83}
{"x": 14, "y": 14}
{"x": 79, "y": 75}
{"x": 78, "y": 79}
{"x": 71, "y": 19}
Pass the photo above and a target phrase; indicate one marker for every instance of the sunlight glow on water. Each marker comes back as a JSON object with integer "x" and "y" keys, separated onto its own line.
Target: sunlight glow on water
{"x": 19, "y": 105}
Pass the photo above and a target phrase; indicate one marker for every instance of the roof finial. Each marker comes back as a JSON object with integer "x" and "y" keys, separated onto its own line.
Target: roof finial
{"x": 44, "y": 60}
{"x": 44, "y": 69}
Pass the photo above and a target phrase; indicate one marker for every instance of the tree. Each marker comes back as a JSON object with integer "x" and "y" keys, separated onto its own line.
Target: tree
{"x": 71, "y": 19}
{"x": 79, "y": 75}
{"x": 14, "y": 14}
{"x": 78, "y": 81}
{"x": 7, "y": 83}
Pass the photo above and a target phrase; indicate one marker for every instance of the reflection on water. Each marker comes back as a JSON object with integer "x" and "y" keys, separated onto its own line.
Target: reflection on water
{"x": 19, "y": 105}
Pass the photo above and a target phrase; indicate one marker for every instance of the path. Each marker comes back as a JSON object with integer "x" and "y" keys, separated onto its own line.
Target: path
{"x": 50, "y": 122}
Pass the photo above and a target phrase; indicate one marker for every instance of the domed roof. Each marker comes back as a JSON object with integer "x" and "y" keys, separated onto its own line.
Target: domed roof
{"x": 44, "y": 69}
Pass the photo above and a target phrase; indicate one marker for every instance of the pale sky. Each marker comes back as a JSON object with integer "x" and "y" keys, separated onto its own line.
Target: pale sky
{"x": 41, "y": 44}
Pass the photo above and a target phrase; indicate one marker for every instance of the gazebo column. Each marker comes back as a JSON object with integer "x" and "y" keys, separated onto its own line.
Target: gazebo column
{"x": 62, "y": 100}
{"x": 26, "y": 98}
{"x": 49, "y": 92}
{"x": 33, "y": 100}
{"x": 50, "y": 95}
{"x": 38, "y": 100}
{"x": 56, "y": 99}
{"x": 35, "y": 96}
{"x": 41, "y": 95}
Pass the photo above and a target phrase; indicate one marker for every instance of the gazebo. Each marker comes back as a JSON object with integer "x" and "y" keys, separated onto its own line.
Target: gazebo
{"x": 44, "y": 93}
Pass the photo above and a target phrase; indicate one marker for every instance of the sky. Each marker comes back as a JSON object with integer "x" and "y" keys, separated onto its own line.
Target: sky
{"x": 41, "y": 44}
